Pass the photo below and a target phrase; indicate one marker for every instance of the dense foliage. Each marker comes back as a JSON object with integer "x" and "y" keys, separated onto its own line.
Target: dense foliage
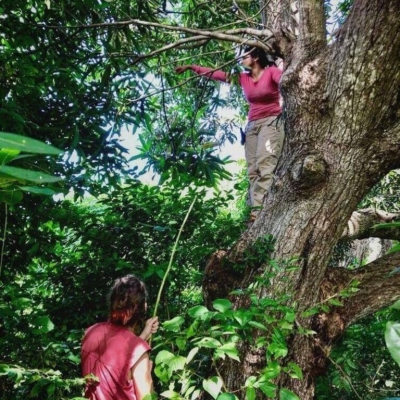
{"x": 72, "y": 78}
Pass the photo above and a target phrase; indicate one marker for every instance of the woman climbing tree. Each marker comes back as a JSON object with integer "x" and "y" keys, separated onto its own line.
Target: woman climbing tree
{"x": 264, "y": 131}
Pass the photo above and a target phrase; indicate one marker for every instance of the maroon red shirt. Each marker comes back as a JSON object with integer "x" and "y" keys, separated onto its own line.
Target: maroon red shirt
{"x": 262, "y": 96}
{"x": 109, "y": 352}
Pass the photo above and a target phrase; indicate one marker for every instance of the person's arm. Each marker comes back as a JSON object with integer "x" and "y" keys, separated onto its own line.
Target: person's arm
{"x": 276, "y": 74}
{"x": 141, "y": 374}
{"x": 150, "y": 327}
{"x": 208, "y": 72}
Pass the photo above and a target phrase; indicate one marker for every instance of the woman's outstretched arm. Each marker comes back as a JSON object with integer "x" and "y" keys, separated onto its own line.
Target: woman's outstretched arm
{"x": 208, "y": 72}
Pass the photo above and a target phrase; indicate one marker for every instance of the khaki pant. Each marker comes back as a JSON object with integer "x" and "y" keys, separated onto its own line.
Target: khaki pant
{"x": 264, "y": 141}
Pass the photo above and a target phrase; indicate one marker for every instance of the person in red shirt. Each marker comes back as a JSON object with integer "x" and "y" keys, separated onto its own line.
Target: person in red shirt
{"x": 264, "y": 131}
{"x": 115, "y": 352}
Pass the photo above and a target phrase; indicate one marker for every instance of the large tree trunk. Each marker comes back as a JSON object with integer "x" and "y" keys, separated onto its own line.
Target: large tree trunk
{"x": 342, "y": 136}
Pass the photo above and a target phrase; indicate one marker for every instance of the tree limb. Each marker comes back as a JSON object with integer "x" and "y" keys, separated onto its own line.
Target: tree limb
{"x": 361, "y": 225}
{"x": 312, "y": 33}
{"x": 229, "y": 35}
{"x": 379, "y": 284}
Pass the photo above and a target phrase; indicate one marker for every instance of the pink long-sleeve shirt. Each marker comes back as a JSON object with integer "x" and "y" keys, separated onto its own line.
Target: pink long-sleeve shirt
{"x": 262, "y": 96}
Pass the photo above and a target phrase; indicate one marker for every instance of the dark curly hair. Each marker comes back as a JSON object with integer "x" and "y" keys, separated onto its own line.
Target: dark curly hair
{"x": 127, "y": 302}
{"x": 264, "y": 59}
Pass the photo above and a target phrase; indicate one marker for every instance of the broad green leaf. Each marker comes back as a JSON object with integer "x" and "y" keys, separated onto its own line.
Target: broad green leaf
{"x": 267, "y": 388}
{"x": 173, "y": 324}
{"x": 163, "y": 357}
{"x": 295, "y": 371}
{"x": 43, "y": 325}
{"x": 26, "y": 144}
{"x": 335, "y": 302}
{"x": 271, "y": 371}
{"x": 250, "y": 381}
{"x": 250, "y": 393}
{"x": 222, "y": 305}
{"x": 229, "y": 349}
{"x": 198, "y": 311}
{"x": 285, "y": 394}
{"x": 27, "y": 175}
{"x": 311, "y": 311}
{"x": 278, "y": 349}
{"x": 243, "y": 316}
{"x": 176, "y": 363}
{"x": 257, "y": 325}
{"x": 392, "y": 338}
{"x": 213, "y": 386}
{"x": 38, "y": 190}
{"x": 208, "y": 342}
{"x": 170, "y": 394}
{"x": 396, "y": 305}
{"x": 394, "y": 249}
{"x": 191, "y": 354}
{"x": 227, "y": 396}
{"x": 6, "y": 155}
{"x": 11, "y": 197}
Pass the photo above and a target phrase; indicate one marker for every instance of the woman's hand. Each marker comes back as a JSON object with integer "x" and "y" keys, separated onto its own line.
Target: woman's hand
{"x": 150, "y": 327}
{"x": 180, "y": 69}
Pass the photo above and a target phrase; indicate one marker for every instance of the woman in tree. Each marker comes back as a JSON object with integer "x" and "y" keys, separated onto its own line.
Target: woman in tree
{"x": 114, "y": 353}
{"x": 264, "y": 131}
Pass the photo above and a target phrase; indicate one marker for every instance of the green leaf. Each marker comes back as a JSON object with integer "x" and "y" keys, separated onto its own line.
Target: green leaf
{"x": 335, "y": 302}
{"x": 11, "y": 197}
{"x": 222, "y": 305}
{"x": 396, "y": 305}
{"x": 191, "y": 354}
{"x": 311, "y": 311}
{"x": 295, "y": 371}
{"x": 267, "y": 388}
{"x": 272, "y": 370}
{"x": 209, "y": 343}
{"x": 173, "y": 324}
{"x": 38, "y": 190}
{"x": 170, "y": 394}
{"x": 6, "y": 155}
{"x": 392, "y": 339}
{"x": 213, "y": 386}
{"x": 257, "y": 325}
{"x": 26, "y": 144}
{"x": 285, "y": 394}
{"x": 163, "y": 357}
{"x": 227, "y": 396}
{"x": 27, "y": 175}
{"x": 229, "y": 349}
{"x": 394, "y": 249}
{"x": 43, "y": 325}
{"x": 243, "y": 317}
{"x": 250, "y": 393}
{"x": 278, "y": 349}
{"x": 387, "y": 225}
{"x": 198, "y": 311}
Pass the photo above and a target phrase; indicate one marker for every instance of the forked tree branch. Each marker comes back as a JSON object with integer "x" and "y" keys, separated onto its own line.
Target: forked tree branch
{"x": 230, "y": 35}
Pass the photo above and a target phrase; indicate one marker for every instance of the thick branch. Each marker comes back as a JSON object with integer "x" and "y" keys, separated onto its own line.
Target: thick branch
{"x": 379, "y": 284}
{"x": 312, "y": 25}
{"x": 228, "y": 35}
{"x": 362, "y": 222}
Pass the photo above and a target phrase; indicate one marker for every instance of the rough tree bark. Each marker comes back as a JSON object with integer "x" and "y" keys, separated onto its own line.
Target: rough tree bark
{"x": 342, "y": 123}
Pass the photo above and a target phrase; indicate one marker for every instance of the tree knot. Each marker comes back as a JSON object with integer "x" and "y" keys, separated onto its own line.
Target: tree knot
{"x": 309, "y": 172}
